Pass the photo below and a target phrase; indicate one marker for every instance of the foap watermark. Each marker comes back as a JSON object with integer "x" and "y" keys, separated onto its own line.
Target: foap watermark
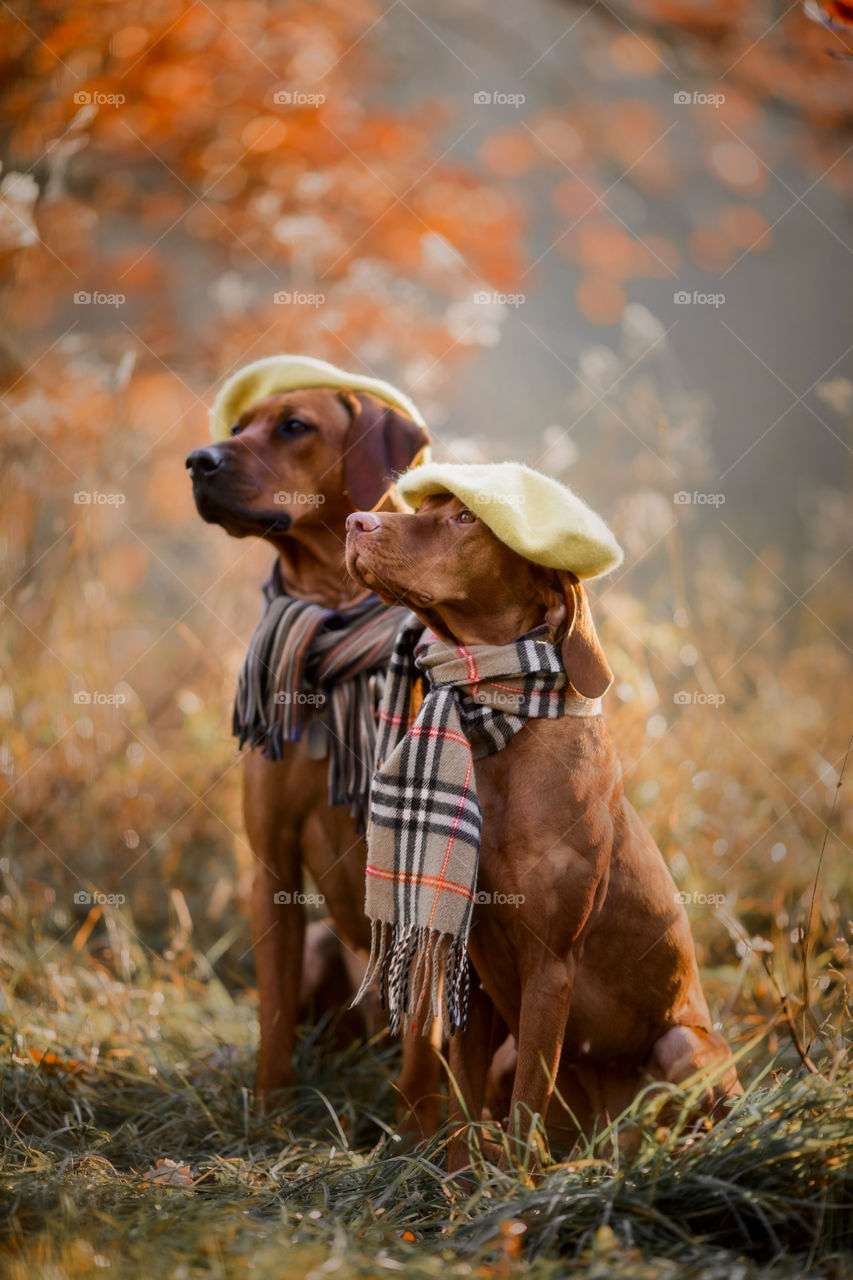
{"x": 491, "y": 298}
{"x": 83, "y": 898}
{"x": 700, "y": 899}
{"x": 498, "y": 698}
{"x": 299, "y": 699}
{"x": 692, "y": 697}
{"x": 285, "y": 898}
{"x": 83, "y": 298}
{"x": 297, "y": 98}
{"x": 497, "y": 98}
{"x": 682, "y": 98}
{"x": 483, "y": 898}
{"x": 97, "y": 498}
{"x": 500, "y": 499}
{"x": 296, "y": 498}
{"x": 684, "y": 298}
{"x": 286, "y": 299}
{"x": 95, "y": 98}
{"x": 98, "y": 698}
{"x": 697, "y": 499}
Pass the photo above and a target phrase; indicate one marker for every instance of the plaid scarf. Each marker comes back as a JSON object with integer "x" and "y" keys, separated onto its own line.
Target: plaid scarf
{"x": 304, "y": 656}
{"x": 425, "y": 819}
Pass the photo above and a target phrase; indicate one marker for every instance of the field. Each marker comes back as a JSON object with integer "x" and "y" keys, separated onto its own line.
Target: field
{"x": 133, "y": 1146}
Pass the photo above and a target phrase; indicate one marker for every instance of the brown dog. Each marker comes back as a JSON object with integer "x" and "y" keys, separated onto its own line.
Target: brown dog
{"x": 584, "y": 950}
{"x": 296, "y": 465}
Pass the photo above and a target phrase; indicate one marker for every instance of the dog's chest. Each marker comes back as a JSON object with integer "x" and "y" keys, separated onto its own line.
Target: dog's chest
{"x": 546, "y": 824}
{"x": 534, "y": 788}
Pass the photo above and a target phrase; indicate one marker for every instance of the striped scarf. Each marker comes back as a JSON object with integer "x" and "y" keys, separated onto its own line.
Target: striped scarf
{"x": 425, "y": 819}
{"x": 303, "y": 656}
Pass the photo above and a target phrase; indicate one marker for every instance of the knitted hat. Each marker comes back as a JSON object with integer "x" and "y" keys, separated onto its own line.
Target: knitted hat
{"x": 276, "y": 374}
{"x": 534, "y": 515}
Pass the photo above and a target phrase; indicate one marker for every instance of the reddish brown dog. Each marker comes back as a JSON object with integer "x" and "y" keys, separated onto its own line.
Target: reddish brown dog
{"x": 594, "y": 973}
{"x": 344, "y": 449}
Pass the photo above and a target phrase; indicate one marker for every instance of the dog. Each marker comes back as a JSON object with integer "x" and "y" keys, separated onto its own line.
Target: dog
{"x": 584, "y": 952}
{"x": 295, "y": 465}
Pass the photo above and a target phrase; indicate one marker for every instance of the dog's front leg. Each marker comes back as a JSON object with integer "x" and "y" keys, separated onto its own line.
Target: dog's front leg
{"x": 277, "y": 916}
{"x": 545, "y": 998}
{"x": 418, "y": 1085}
{"x": 278, "y": 933}
{"x": 470, "y": 1054}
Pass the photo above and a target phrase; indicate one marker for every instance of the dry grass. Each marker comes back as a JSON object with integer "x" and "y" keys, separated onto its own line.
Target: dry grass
{"x": 104, "y": 1075}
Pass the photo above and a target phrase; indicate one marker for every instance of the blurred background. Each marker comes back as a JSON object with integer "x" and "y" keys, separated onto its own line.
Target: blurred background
{"x": 613, "y": 240}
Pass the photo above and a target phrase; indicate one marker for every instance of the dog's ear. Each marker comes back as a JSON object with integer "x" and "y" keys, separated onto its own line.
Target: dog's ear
{"x": 380, "y": 443}
{"x": 570, "y": 619}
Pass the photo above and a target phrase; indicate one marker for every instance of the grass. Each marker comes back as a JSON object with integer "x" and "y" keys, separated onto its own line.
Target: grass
{"x": 114, "y": 1060}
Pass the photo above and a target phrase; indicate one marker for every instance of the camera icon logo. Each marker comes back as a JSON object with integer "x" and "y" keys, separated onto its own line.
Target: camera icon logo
{"x": 681, "y": 499}
{"x": 82, "y": 98}
{"x": 82, "y": 897}
{"x": 82, "y": 297}
{"x": 82, "y": 698}
{"x": 482, "y": 98}
{"x": 681, "y": 98}
{"x": 482, "y": 897}
{"x": 682, "y": 298}
{"x": 681, "y": 698}
{"x": 282, "y": 97}
{"x": 82, "y": 498}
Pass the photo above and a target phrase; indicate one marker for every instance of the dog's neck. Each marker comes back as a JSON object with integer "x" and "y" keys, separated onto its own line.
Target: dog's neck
{"x": 312, "y": 567}
{"x": 501, "y": 627}
{"x": 312, "y": 558}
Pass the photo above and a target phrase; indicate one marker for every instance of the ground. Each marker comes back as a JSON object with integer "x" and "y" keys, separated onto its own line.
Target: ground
{"x": 134, "y": 1146}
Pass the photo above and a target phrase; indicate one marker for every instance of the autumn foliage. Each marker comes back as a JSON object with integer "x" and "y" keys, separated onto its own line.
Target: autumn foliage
{"x": 193, "y": 166}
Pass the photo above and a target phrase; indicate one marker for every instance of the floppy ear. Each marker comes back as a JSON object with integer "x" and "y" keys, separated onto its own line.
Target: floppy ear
{"x": 380, "y": 443}
{"x": 583, "y": 656}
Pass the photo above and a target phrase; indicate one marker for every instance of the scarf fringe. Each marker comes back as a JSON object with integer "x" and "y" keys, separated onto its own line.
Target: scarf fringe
{"x": 418, "y": 971}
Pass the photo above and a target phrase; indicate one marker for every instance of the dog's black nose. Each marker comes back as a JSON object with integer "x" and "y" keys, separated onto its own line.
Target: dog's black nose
{"x": 205, "y": 461}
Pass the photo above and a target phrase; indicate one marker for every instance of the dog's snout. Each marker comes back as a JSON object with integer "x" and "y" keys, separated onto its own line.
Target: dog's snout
{"x": 205, "y": 461}
{"x": 362, "y": 522}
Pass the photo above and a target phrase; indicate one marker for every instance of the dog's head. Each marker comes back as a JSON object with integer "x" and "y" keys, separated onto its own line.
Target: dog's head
{"x": 302, "y": 458}
{"x": 469, "y": 587}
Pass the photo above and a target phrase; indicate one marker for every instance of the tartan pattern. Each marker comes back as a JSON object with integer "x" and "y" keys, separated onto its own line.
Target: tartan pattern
{"x": 301, "y": 650}
{"x": 425, "y": 819}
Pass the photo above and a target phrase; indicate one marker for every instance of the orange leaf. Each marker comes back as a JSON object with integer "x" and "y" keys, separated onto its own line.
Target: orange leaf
{"x": 52, "y": 1064}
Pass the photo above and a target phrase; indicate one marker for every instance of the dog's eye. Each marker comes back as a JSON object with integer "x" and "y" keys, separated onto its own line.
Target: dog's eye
{"x": 466, "y": 517}
{"x": 235, "y": 430}
{"x": 293, "y": 427}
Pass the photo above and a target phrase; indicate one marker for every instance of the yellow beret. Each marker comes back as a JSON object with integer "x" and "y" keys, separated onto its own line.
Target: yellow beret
{"x": 277, "y": 374}
{"x": 536, "y": 516}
